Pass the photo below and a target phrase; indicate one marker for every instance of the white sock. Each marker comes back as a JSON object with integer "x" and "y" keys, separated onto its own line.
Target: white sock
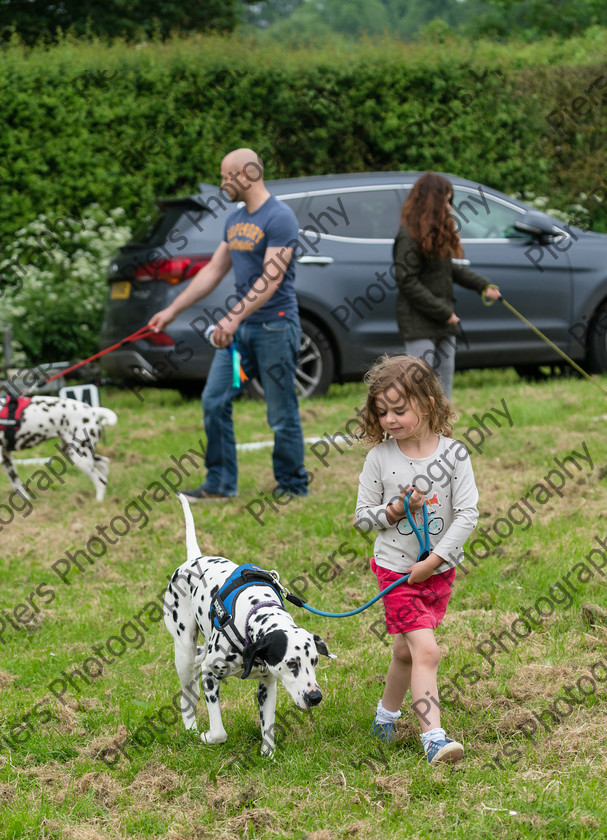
{"x": 385, "y": 716}
{"x": 437, "y": 734}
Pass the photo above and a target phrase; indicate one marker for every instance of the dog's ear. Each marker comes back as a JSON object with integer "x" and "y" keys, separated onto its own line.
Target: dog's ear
{"x": 322, "y": 648}
{"x": 270, "y": 649}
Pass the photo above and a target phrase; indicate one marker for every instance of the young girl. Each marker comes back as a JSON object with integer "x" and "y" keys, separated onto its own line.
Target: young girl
{"x": 408, "y": 420}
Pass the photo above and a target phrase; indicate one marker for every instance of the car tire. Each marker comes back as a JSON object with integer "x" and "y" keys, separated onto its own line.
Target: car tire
{"x": 316, "y": 365}
{"x": 596, "y": 356}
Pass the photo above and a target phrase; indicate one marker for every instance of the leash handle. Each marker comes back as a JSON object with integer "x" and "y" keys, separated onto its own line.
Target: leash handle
{"x": 143, "y": 332}
{"x": 238, "y": 374}
{"x": 488, "y": 301}
{"x": 424, "y": 543}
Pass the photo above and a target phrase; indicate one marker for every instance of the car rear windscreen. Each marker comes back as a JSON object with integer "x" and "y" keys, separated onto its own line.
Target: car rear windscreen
{"x": 175, "y": 220}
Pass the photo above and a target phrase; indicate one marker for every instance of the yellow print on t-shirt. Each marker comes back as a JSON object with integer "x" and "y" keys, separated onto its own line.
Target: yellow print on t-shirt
{"x": 243, "y": 236}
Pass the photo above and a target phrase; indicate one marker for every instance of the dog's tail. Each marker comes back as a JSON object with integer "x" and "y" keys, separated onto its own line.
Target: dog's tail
{"x": 192, "y": 548}
{"x": 106, "y": 416}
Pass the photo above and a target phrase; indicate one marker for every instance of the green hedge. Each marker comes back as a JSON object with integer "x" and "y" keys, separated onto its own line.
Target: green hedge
{"x": 119, "y": 125}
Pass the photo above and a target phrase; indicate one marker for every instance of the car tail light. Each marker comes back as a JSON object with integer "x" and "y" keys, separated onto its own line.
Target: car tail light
{"x": 172, "y": 270}
{"x": 160, "y": 339}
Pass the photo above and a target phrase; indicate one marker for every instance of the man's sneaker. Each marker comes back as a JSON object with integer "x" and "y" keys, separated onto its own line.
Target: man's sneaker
{"x": 444, "y": 750}
{"x": 384, "y": 731}
{"x": 200, "y": 495}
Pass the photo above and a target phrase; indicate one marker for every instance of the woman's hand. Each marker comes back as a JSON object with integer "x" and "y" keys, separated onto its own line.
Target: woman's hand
{"x": 452, "y": 319}
{"x": 492, "y": 292}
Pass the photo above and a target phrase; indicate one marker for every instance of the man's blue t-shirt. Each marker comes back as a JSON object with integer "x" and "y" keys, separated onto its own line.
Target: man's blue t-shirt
{"x": 248, "y": 235}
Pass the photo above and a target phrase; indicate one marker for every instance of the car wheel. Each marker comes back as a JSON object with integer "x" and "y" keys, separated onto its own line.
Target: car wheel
{"x": 596, "y": 357}
{"x": 315, "y": 367}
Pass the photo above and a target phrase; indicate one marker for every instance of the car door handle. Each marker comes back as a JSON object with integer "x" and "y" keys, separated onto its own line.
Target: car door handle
{"x": 316, "y": 260}
{"x": 460, "y": 262}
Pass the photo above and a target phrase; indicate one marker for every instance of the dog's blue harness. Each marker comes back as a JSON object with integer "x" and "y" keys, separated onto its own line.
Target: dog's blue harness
{"x": 224, "y": 601}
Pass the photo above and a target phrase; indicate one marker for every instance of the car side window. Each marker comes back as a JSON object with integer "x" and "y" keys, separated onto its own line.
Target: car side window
{"x": 296, "y": 205}
{"x": 360, "y": 214}
{"x": 479, "y": 216}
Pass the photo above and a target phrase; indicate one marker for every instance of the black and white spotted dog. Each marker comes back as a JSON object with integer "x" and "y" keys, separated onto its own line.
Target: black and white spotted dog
{"x": 274, "y": 648}
{"x": 79, "y": 427}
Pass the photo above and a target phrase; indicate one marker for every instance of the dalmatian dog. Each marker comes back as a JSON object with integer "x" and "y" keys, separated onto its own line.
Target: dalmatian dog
{"x": 79, "y": 427}
{"x": 275, "y": 647}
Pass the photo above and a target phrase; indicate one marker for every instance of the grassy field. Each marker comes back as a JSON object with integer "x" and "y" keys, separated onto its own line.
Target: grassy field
{"x": 90, "y": 751}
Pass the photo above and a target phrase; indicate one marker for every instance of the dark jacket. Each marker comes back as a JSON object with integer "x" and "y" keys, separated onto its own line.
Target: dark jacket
{"x": 425, "y": 290}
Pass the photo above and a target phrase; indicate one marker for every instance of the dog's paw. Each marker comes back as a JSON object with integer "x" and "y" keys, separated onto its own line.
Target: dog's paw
{"x": 209, "y": 738}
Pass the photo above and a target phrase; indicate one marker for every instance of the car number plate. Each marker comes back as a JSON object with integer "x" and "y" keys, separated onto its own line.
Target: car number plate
{"x": 120, "y": 290}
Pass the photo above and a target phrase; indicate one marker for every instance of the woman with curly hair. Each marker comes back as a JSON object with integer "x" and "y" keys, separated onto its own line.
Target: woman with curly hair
{"x": 423, "y": 252}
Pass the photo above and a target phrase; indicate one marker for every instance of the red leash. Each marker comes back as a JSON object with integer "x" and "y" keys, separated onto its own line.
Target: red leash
{"x": 143, "y": 332}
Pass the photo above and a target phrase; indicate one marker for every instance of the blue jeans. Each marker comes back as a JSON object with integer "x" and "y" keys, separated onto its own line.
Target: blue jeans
{"x": 270, "y": 352}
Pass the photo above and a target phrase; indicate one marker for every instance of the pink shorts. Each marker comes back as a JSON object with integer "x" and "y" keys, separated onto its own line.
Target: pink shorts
{"x": 416, "y": 605}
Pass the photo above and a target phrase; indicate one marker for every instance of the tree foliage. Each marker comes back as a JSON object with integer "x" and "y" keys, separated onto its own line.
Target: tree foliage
{"x": 313, "y": 19}
{"x": 33, "y": 20}
{"x": 538, "y": 18}
{"x": 114, "y": 126}
{"x": 504, "y": 19}
{"x": 119, "y": 125}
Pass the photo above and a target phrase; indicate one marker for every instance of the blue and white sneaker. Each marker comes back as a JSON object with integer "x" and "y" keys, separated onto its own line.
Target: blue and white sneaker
{"x": 386, "y": 732}
{"x": 444, "y": 750}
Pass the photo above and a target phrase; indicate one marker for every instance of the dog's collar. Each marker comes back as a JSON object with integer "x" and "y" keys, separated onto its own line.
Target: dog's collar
{"x": 252, "y": 611}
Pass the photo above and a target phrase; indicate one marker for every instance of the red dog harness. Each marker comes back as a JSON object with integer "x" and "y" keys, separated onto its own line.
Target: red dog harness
{"x": 10, "y": 418}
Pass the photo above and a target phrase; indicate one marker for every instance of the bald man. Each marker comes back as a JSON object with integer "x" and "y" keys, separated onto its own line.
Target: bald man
{"x": 263, "y": 324}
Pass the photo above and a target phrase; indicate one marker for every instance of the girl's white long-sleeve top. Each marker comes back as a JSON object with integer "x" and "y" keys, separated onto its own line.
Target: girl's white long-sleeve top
{"x": 447, "y": 479}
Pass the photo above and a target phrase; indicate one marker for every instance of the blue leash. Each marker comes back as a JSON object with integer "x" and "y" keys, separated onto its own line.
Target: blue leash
{"x": 425, "y": 549}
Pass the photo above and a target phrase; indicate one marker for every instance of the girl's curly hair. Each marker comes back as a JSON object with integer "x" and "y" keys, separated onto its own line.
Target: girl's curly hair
{"x": 402, "y": 378}
{"x": 428, "y": 220}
